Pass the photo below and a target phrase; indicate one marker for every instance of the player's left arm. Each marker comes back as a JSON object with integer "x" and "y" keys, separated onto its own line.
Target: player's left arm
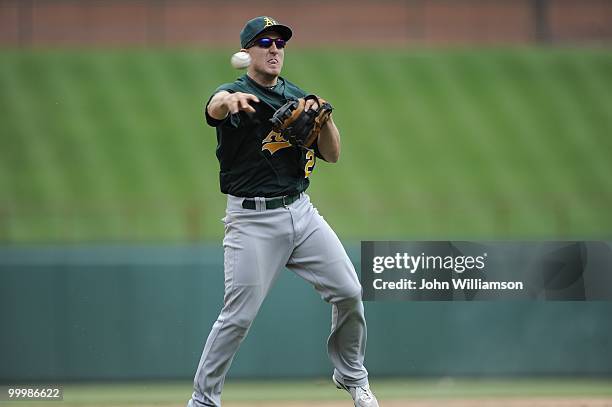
{"x": 329, "y": 137}
{"x": 329, "y": 141}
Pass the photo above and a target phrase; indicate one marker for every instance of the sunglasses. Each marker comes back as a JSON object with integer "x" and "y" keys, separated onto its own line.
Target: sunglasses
{"x": 266, "y": 42}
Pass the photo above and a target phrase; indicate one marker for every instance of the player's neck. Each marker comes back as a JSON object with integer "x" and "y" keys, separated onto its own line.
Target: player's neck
{"x": 267, "y": 81}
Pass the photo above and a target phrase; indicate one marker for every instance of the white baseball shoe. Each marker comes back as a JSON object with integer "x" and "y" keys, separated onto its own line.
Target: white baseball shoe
{"x": 362, "y": 395}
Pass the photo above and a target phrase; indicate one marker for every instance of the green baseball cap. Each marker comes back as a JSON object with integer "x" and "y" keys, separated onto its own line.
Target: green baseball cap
{"x": 262, "y": 24}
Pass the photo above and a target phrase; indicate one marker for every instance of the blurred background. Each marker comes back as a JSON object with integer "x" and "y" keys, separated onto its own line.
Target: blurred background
{"x": 465, "y": 119}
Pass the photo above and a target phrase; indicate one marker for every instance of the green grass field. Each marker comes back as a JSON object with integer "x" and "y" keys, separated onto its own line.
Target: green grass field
{"x": 490, "y": 143}
{"x": 175, "y": 393}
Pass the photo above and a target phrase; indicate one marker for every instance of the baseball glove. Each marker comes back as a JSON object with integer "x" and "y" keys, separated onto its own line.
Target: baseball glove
{"x": 298, "y": 127}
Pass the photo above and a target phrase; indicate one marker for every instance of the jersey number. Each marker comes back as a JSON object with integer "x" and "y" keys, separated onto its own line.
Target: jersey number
{"x": 310, "y": 161}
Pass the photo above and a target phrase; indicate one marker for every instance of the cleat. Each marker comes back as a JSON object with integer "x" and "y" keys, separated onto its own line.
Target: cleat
{"x": 362, "y": 395}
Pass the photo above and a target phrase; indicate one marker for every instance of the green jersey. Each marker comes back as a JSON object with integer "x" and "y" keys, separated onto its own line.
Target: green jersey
{"x": 254, "y": 160}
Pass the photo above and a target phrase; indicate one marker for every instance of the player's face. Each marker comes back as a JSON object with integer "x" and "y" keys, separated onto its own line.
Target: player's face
{"x": 267, "y": 62}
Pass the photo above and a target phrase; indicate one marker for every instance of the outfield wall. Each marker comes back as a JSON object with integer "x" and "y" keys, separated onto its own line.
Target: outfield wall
{"x": 142, "y": 312}
{"x": 180, "y": 22}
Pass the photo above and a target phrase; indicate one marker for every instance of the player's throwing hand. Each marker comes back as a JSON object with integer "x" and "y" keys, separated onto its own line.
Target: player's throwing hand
{"x": 225, "y": 102}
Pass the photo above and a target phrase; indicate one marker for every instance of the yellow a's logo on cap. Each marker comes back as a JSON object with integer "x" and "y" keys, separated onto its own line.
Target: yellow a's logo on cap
{"x": 269, "y": 22}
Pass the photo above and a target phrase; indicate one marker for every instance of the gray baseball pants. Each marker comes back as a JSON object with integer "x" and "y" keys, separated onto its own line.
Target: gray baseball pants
{"x": 258, "y": 244}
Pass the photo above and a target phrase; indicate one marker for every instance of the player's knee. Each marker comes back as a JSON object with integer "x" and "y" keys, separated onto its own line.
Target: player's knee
{"x": 352, "y": 299}
{"x": 346, "y": 287}
{"x": 352, "y": 289}
{"x": 244, "y": 320}
{"x": 233, "y": 319}
{"x": 241, "y": 306}
{"x": 347, "y": 293}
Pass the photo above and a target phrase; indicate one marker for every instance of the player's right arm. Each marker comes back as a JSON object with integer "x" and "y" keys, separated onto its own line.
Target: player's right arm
{"x": 224, "y": 102}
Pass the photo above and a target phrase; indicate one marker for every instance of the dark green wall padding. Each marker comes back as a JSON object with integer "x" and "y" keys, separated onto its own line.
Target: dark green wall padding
{"x": 142, "y": 312}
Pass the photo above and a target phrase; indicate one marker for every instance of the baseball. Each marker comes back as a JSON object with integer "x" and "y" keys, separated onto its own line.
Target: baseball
{"x": 240, "y": 60}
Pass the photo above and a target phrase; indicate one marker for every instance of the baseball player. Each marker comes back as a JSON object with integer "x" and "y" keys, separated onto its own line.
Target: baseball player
{"x": 270, "y": 222}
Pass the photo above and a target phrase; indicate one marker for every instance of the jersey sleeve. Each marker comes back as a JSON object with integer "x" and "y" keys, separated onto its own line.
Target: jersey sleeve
{"x": 232, "y": 120}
